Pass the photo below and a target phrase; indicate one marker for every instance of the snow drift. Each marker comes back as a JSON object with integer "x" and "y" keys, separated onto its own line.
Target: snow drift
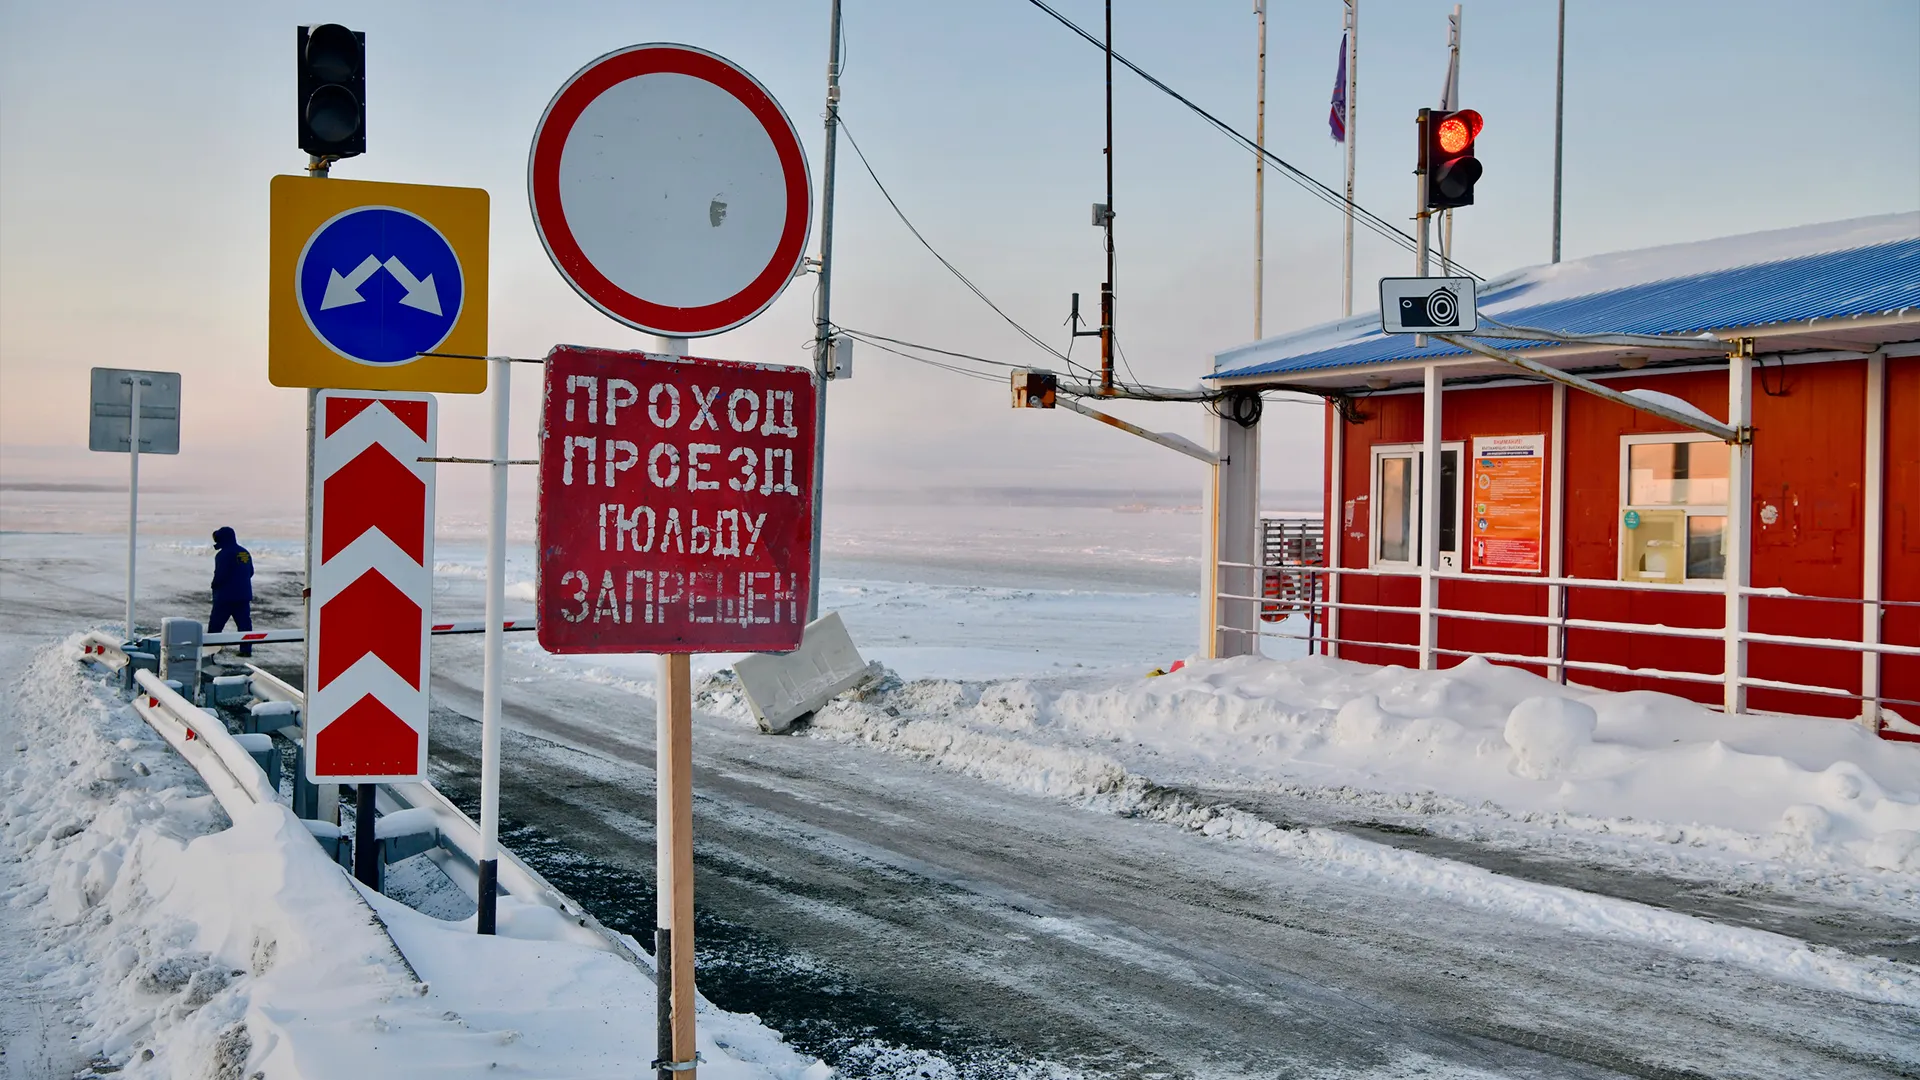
{"x": 200, "y": 946}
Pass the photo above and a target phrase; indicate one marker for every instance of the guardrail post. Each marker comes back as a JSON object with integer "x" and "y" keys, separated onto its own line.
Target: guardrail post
{"x": 309, "y": 798}
{"x": 261, "y": 749}
{"x": 143, "y": 655}
{"x": 366, "y": 853}
{"x": 180, "y": 655}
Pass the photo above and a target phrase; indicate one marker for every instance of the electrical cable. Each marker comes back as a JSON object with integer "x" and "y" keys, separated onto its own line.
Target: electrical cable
{"x": 1372, "y": 221}
{"x": 872, "y": 338}
{"x": 952, "y": 269}
{"x": 982, "y": 376}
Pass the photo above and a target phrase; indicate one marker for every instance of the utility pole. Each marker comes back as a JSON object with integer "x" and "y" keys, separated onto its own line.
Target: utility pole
{"x": 1260, "y": 180}
{"x": 1559, "y": 121}
{"x": 1106, "y": 288}
{"x": 823, "y": 321}
{"x": 1449, "y": 101}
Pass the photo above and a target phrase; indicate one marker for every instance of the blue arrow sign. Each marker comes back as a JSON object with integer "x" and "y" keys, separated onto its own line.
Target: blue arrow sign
{"x": 380, "y": 285}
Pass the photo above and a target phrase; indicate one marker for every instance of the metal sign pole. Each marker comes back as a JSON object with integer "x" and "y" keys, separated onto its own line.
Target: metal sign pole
{"x": 133, "y": 498}
{"x": 495, "y": 641}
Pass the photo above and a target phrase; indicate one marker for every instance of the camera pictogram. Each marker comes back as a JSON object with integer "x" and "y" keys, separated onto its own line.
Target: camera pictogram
{"x": 1439, "y": 309}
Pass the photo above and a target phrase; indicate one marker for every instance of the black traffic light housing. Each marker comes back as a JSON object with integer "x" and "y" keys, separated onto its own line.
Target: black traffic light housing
{"x": 1447, "y": 156}
{"x": 333, "y": 91}
{"x": 1035, "y": 389}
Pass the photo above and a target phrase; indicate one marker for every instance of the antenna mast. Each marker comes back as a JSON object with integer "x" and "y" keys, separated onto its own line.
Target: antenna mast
{"x": 1106, "y": 288}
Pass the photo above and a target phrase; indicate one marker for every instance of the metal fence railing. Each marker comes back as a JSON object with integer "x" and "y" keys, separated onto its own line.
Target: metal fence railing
{"x": 1557, "y": 659}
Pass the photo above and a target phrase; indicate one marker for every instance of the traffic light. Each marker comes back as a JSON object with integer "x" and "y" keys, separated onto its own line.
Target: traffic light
{"x": 333, "y": 91}
{"x": 1034, "y": 389}
{"x": 1446, "y": 156}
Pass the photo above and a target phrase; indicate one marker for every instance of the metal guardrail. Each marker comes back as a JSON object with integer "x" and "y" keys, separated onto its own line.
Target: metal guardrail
{"x": 237, "y": 781}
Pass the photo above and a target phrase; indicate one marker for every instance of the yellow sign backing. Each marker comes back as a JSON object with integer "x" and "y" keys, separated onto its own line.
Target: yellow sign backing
{"x": 366, "y": 276}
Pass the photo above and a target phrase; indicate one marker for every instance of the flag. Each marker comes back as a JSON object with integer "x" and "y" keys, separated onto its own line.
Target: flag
{"x": 1337, "y": 116}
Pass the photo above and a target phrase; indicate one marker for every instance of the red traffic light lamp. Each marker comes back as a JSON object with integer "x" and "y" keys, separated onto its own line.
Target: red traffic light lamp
{"x": 1447, "y": 156}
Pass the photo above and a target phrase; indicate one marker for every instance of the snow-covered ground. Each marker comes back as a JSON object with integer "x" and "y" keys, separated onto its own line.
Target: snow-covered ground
{"x": 167, "y": 928}
{"x": 196, "y": 944}
{"x": 1478, "y": 750}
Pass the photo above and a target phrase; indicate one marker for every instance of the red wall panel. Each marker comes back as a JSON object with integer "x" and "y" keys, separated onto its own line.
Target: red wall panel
{"x": 1900, "y": 675}
{"x": 1809, "y": 464}
{"x": 1808, "y": 467}
{"x": 1594, "y": 428}
{"x": 1393, "y": 418}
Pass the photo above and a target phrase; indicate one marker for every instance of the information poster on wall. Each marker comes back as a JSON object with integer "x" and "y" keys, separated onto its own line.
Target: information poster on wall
{"x": 1509, "y": 495}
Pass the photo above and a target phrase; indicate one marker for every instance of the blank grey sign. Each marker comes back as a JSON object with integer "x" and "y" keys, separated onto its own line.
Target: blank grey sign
{"x": 110, "y": 413}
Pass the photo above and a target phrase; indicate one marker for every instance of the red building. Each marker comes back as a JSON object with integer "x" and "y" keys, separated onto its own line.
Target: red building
{"x": 1734, "y": 519}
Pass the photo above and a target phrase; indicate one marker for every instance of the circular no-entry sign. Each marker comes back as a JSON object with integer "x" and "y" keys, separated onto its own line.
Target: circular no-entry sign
{"x": 670, "y": 190}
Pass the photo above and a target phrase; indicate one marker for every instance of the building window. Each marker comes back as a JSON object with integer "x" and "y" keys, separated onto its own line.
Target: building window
{"x": 1397, "y": 505}
{"x": 1674, "y": 508}
{"x": 1393, "y": 493}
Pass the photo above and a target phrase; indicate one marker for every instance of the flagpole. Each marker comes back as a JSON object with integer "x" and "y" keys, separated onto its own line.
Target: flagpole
{"x": 1559, "y": 114}
{"x": 1353, "y": 109}
{"x": 1260, "y": 180}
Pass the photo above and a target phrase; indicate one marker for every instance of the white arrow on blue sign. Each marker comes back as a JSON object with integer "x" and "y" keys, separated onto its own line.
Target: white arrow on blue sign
{"x": 380, "y": 285}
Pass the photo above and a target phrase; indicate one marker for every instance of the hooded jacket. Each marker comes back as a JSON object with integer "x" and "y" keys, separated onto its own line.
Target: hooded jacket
{"x": 232, "y": 569}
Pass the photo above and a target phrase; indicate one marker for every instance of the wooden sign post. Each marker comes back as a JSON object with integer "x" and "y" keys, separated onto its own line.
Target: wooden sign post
{"x": 676, "y": 516}
{"x": 676, "y": 495}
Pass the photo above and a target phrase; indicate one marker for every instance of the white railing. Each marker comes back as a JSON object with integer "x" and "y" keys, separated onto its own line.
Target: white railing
{"x": 1556, "y": 661}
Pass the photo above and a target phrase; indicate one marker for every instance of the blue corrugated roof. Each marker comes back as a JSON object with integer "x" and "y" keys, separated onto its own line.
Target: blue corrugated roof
{"x": 1869, "y": 280}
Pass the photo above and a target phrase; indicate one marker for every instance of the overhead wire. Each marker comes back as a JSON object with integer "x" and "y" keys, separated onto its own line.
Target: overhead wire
{"x": 980, "y": 375}
{"x": 1368, "y": 218}
{"x": 952, "y": 269}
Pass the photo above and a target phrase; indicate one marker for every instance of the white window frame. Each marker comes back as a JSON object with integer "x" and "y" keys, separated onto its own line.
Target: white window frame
{"x": 1626, "y": 487}
{"x": 1449, "y": 560}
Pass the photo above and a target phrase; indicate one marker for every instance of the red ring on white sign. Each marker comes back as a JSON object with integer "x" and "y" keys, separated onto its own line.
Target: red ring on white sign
{"x": 556, "y": 233}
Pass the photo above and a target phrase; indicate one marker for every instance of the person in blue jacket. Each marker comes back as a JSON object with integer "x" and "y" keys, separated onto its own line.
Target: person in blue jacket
{"x": 232, "y": 585}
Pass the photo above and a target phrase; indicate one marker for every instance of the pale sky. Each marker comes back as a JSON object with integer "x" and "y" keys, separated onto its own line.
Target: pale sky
{"x": 137, "y": 142}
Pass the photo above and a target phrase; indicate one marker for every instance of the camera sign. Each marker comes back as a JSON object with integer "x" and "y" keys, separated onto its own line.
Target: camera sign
{"x": 1428, "y": 305}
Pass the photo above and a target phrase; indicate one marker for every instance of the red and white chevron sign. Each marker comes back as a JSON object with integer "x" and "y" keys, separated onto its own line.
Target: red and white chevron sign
{"x": 368, "y": 618}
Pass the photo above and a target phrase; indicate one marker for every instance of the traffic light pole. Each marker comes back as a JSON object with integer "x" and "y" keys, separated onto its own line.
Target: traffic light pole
{"x": 1420, "y": 212}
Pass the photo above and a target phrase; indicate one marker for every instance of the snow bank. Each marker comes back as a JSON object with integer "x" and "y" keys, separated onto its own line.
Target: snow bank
{"x": 1547, "y": 735}
{"x": 1461, "y": 751}
{"x": 202, "y": 947}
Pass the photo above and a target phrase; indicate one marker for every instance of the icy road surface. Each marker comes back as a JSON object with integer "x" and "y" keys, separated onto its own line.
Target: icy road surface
{"x": 905, "y": 920}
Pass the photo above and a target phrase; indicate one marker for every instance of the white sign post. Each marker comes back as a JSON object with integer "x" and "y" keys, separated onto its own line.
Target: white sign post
{"x": 132, "y": 412}
{"x": 1428, "y": 305}
{"x": 671, "y": 192}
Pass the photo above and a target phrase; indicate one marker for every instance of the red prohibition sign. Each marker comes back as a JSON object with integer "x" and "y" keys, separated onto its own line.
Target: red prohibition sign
{"x": 670, "y": 190}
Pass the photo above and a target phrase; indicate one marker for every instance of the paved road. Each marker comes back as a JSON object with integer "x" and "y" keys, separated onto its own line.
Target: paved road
{"x": 938, "y": 911}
